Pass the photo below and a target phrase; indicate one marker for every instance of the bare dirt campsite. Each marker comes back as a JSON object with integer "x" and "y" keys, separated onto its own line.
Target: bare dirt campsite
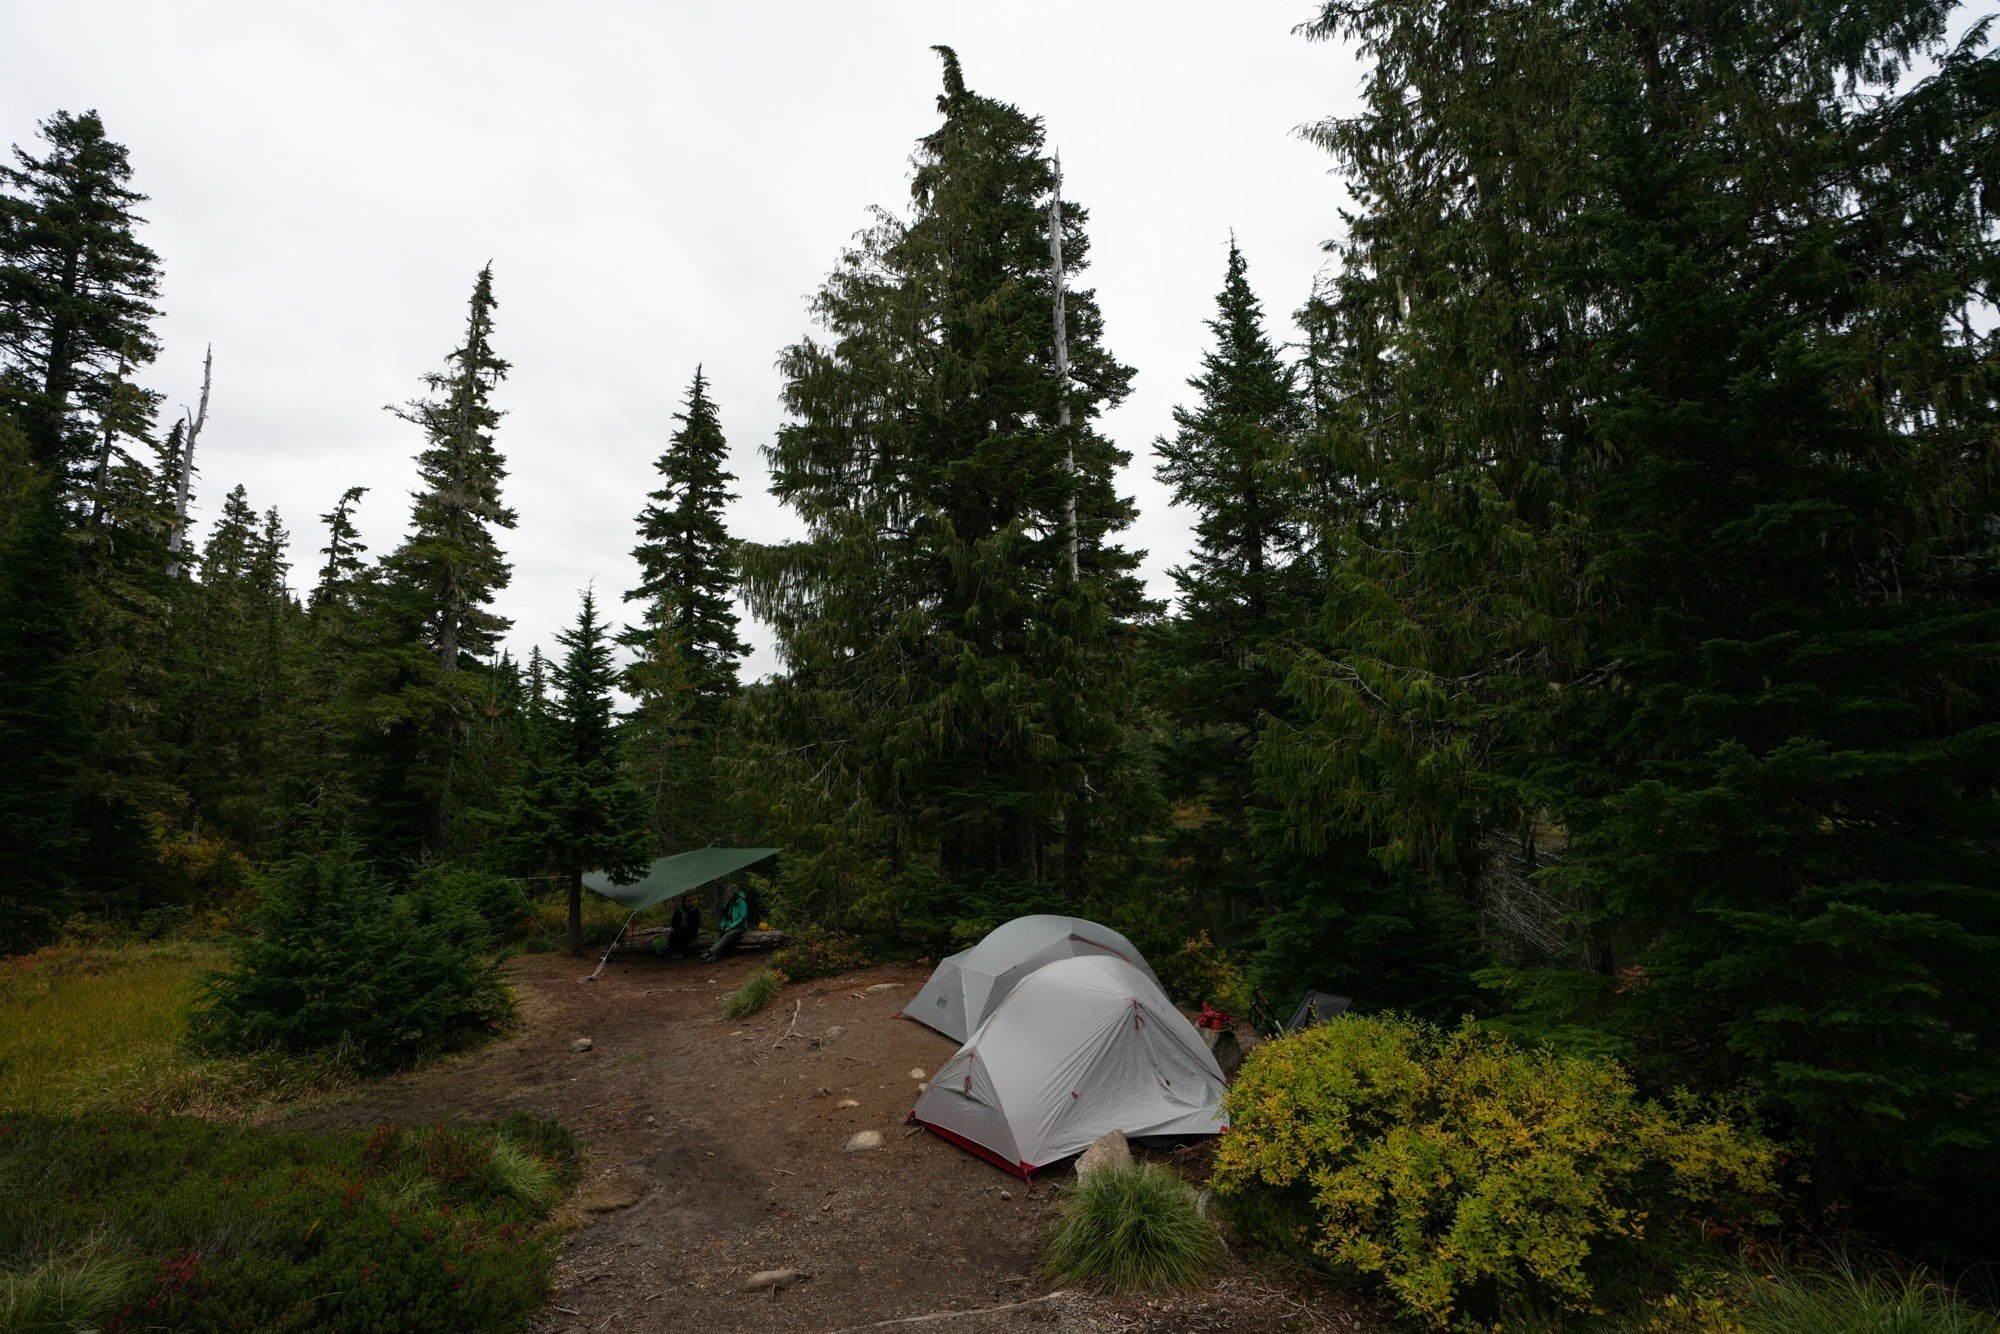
{"x": 717, "y": 1151}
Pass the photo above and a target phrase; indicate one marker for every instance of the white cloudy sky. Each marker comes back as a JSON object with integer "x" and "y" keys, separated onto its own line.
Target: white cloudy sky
{"x": 657, "y": 184}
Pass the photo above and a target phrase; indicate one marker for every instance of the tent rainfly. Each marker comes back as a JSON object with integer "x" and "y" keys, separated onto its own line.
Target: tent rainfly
{"x": 966, "y": 987}
{"x": 1079, "y": 1048}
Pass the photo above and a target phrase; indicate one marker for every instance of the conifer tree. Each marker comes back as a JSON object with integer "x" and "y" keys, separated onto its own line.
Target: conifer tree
{"x": 451, "y": 561}
{"x": 1234, "y": 462}
{"x": 406, "y": 719}
{"x": 343, "y": 552}
{"x": 686, "y": 556}
{"x": 76, "y": 289}
{"x": 684, "y": 679}
{"x": 1682, "y": 589}
{"x": 575, "y": 810}
{"x": 42, "y": 722}
{"x": 950, "y": 687}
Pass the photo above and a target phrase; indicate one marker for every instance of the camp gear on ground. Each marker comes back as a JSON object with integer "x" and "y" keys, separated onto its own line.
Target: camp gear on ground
{"x": 966, "y": 987}
{"x": 1078, "y": 1047}
{"x": 1210, "y": 1017}
{"x": 1317, "y": 1008}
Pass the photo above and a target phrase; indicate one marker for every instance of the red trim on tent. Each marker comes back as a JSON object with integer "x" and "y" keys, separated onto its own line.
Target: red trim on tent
{"x": 1020, "y": 1170}
{"x": 1086, "y": 940}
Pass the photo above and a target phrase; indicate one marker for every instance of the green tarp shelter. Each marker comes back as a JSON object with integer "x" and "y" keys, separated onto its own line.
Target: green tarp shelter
{"x": 671, "y": 877}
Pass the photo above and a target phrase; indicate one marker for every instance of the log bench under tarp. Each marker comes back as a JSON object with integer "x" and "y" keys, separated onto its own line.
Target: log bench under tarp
{"x": 639, "y": 941}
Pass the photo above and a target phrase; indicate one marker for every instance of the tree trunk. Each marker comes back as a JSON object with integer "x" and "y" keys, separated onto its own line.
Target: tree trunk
{"x": 576, "y": 910}
{"x": 178, "y": 537}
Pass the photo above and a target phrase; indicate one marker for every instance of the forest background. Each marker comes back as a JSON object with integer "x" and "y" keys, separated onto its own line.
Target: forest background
{"x": 1591, "y": 623}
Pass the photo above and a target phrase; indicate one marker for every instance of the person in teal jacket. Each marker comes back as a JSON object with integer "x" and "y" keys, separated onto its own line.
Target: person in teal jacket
{"x": 735, "y": 919}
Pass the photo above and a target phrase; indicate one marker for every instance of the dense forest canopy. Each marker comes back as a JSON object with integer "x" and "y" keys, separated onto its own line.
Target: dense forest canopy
{"x": 1592, "y": 621}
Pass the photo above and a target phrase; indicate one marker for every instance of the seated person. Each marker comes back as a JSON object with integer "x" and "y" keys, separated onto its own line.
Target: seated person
{"x": 684, "y": 926}
{"x": 735, "y": 919}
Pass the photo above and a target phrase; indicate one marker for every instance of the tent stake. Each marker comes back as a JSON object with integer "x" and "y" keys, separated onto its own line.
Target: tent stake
{"x": 613, "y": 950}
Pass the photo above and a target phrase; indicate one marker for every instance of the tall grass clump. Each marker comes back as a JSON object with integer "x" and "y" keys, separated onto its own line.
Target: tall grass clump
{"x": 754, "y": 995}
{"x": 1843, "y": 1298}
{"x": 526, "y": 1176}
{"x": 1132, "y": 1229}
{"x": 67, "y": 1017}
{"x": 69, "y": 1292}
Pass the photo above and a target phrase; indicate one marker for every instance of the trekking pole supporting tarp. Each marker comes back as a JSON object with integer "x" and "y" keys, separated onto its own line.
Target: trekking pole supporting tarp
{"x": 613, "y": 950}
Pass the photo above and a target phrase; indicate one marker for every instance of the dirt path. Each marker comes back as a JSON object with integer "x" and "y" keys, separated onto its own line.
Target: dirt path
{"x": 716, "y": 1150}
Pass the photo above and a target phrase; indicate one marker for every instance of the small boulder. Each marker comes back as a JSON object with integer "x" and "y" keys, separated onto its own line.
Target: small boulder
{"x": 1109, "y": 1150}
{"x": 847, "y": 1102}
{"x": 916, "y": 1072}
{"x": 773, "y": 1281}
{"x": 863, "y": 1139}
{"x": 581, "y": 1044}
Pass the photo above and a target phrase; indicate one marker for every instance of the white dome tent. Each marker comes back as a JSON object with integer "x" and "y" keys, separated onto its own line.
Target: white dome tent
{"x": 1080, "y": 1047}
{"x": 965, "y": 988}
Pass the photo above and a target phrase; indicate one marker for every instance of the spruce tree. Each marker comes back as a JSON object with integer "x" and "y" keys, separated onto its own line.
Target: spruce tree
{"x": 575, "y": 810}
{"x": 950, "y": 689}
{"x": 686, "y": 556}
{"x": 1234, "y": 462}
{"x": 406, "y": 719}
{"x": 76, "y": 290}
{"x": 451, "y": 561}
{"x": 42, "y": 722}
{"x": 342, "y": 552}
{"x": 1680, "y": 587}
{"x": 684, "y": 679}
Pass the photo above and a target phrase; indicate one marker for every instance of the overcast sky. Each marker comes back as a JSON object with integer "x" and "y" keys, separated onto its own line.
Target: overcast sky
{"x": 657, "y": 185}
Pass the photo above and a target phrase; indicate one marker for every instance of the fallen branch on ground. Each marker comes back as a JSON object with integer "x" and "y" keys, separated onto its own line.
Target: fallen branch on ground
{"x": 791, "y": 1030}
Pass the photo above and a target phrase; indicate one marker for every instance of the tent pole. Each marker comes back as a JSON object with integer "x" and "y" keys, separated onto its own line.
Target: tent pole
{"x": 613, "y": 950}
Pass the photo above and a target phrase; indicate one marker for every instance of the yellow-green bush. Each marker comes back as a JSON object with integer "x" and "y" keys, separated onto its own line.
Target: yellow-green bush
{"x": 1469, "y": 1175}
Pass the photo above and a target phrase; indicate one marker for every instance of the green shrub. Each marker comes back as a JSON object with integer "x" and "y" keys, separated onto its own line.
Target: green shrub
{"x": 338, "y": 961}
{"x": 815, "y": 953}
{"x": 501, "y": 903}
{"x": 754, "y": 995}
{"x": 69, "y": 1292}
{"x": 1843, "y": 1298}
{"x": 1132, "y": 1229}
{"x": 234, "y": 1227}
{"x": 1200, "y": 970}
{"x": 1469, "y": 1175}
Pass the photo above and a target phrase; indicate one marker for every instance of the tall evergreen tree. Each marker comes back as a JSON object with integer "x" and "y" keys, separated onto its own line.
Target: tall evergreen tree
{"x": 575, "y": 809}
{"x": 76, "y": 289}
{"x": 42, "y": 722}
{"x": 343, "y": 552}
{"x": 1234, "y": 462}
{"x": 684, "y": 680}
{"x": 686, "y": 557}
{"x": 407, "y": 719}
{"x": 451, "y": 561}
{"x": 1682, "y": 584}
{"x": 952, "y": 692}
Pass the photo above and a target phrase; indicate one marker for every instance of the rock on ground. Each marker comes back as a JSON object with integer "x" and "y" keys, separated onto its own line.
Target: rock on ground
{"x": 1108, "y": 1150}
